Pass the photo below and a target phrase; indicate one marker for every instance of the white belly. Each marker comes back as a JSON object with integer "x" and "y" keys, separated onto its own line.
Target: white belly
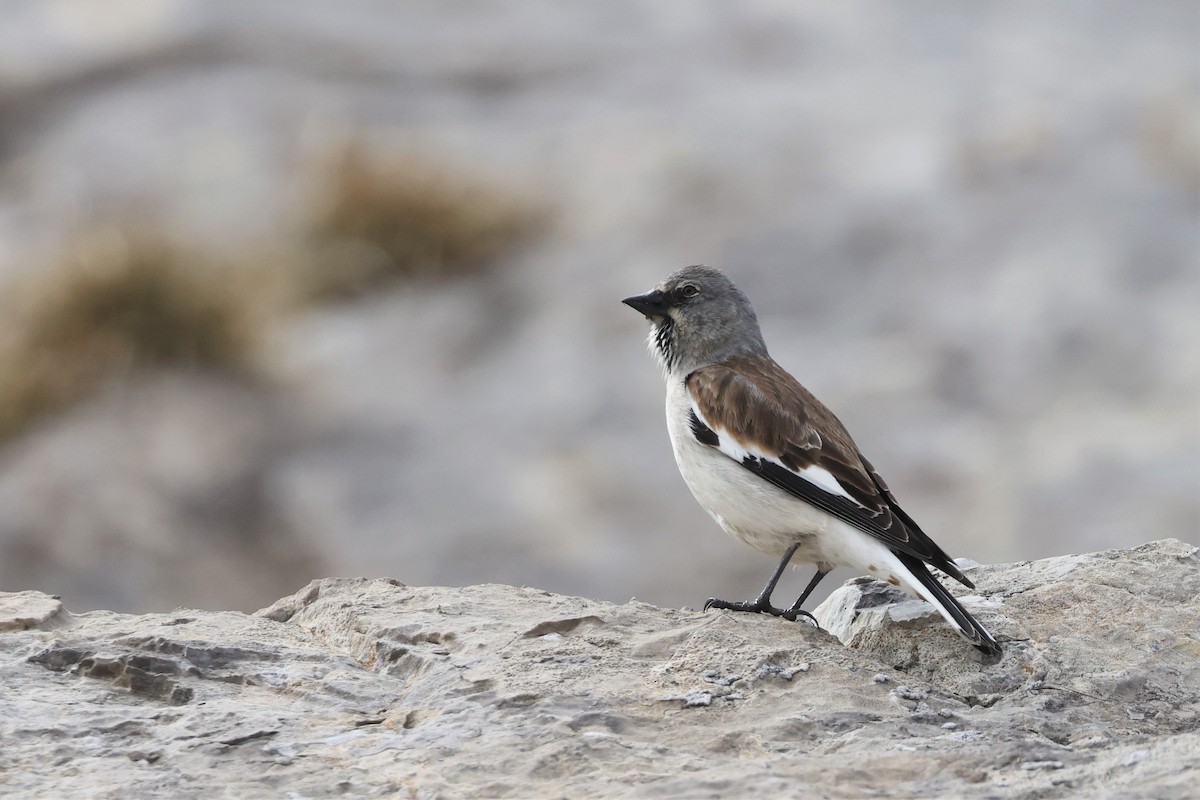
{"x": 748, "y": 507}
{"x": 759, "y": 513}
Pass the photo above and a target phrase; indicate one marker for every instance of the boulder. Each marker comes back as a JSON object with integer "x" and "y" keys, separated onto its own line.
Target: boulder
{"x": 362, "y": 687}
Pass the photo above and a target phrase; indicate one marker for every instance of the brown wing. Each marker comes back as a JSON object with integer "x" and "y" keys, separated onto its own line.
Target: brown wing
{"x": 752, "y": 410}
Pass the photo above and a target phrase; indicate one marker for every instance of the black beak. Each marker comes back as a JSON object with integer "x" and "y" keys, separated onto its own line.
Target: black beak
{"x": 652, "y": 304}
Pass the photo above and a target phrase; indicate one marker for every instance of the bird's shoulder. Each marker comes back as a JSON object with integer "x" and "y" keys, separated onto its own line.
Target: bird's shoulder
{"x": 766, "y": 411}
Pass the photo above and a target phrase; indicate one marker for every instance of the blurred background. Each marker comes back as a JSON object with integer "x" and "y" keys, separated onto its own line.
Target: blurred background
{"x": 297, "y": 289}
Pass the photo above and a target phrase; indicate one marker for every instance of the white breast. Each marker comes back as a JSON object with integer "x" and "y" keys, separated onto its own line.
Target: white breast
{"x": 748, "y": 507}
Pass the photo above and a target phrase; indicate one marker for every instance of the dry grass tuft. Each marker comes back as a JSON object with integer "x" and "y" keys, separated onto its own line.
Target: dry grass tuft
{"x": 120, "y": 301}
{"x": 382, "y": 220}
{"x": 116, "y": 303}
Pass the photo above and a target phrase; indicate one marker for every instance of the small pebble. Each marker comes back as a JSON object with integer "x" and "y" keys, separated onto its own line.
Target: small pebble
{"x": 882, "y": 678}
{"x": 910, "y": 694}
{"x": 712, "y": 676}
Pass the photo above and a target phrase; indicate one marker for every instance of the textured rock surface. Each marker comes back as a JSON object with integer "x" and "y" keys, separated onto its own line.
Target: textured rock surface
{"x": 362, "y": 686}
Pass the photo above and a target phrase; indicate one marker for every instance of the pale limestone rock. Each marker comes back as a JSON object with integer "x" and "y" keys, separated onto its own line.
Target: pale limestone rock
{"x": 359, "y": 687}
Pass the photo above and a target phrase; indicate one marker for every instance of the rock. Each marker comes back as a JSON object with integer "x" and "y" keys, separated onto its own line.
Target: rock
{"x": 21, "y": 611}
{"x": 360, "y": 687}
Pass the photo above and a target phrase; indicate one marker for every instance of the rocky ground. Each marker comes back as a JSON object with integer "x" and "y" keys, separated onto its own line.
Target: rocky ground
{"x": 362, "y": 687}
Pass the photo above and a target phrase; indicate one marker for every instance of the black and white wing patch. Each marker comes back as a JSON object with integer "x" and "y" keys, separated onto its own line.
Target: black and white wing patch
{"x": 703, "y": 433}
{"x": 757, "y": 414}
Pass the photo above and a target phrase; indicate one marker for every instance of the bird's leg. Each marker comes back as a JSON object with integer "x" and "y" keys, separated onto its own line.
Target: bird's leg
{"x": 761, "y": 604}
{"x": 795, "y": 610}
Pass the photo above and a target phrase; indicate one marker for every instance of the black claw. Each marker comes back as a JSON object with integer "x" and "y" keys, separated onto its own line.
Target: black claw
{"x": 760, "y": 607}
{"x": 794, "y": 613}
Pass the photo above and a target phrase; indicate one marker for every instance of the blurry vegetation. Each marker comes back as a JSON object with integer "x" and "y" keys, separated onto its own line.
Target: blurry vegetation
{"x": 1171, "y": 138}
{"x": 117, "y": 302}
{"x": 381, "y": 219}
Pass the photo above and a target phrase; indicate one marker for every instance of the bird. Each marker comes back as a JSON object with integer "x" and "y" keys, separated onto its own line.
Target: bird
{"x": 771, "y": 464}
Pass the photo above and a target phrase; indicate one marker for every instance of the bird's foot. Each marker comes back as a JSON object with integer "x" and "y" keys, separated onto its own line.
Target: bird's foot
{"x": 795, "y": 613}
{"x": 760, "y": 606}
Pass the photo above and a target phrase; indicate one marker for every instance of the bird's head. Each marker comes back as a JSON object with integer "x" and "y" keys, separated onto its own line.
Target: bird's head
{"x": 699, "y": 318}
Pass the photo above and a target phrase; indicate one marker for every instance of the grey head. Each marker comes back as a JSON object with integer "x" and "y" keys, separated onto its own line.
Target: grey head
{"x": 699, "y": 318}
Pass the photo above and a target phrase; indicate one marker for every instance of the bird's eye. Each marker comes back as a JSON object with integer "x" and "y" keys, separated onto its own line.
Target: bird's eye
{"x": 687, "y": 291}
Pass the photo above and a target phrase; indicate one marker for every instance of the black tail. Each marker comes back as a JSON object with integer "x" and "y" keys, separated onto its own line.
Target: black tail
{"x": 968, "y": 628}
